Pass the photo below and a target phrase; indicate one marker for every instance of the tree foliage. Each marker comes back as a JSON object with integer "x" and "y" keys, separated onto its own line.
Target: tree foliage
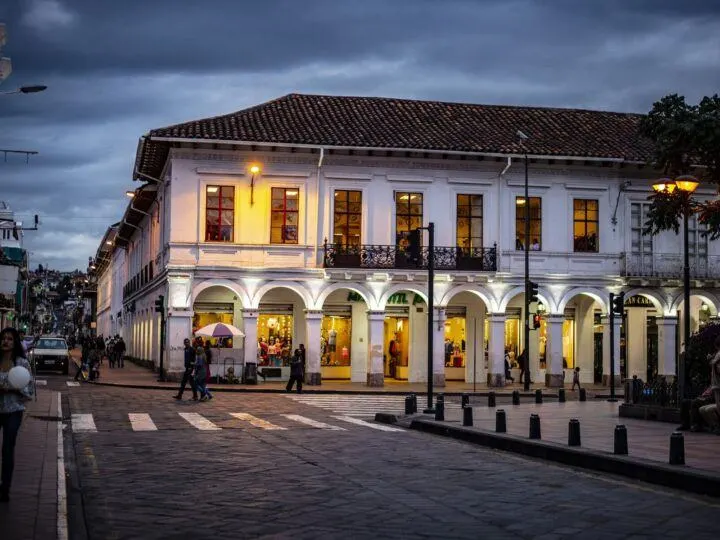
{"x": 686, "y": 140}
{"x": 700, "y": 347}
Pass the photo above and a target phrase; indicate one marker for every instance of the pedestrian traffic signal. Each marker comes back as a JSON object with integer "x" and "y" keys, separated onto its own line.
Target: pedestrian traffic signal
{"x": 160, "y": 304}
{"x": 414, "y": 245}
{"x": 532, "y": 292}
{"x": 618, "y": 306}
{"x": 536, "y": 321}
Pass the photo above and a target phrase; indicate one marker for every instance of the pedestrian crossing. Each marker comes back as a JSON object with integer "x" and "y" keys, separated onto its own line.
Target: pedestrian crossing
{"x": 356, "y": 405}
{"x": 143, "y": 422}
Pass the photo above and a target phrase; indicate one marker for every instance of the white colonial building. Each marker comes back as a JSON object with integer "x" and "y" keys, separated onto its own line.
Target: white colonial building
{"x": 291, "y": 219}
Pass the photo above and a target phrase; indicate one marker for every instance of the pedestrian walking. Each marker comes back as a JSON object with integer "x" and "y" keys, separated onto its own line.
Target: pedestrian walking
{"x": 296, "y": 372}
{"x": 576, "y": 379}
{"x": 201, "y": 374}
{"x": 189, "y": 368}
{"x": 12, "y": 404}
{"x": 120, "y": 351}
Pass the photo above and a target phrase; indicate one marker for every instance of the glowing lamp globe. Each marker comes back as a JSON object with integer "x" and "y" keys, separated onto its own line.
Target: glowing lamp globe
{"x": 19, "y": 377}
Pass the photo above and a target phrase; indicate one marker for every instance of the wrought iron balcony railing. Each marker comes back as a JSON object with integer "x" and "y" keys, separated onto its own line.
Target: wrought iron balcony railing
{"x": 377, "y": 257}
{"x": 670, "y": 265}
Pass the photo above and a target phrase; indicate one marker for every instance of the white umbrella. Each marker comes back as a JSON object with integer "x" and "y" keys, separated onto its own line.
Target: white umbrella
{"x": 217, "y": 330}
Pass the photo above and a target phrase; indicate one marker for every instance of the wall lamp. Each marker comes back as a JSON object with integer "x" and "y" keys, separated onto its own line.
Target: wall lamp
{"x": 254, "y": 169}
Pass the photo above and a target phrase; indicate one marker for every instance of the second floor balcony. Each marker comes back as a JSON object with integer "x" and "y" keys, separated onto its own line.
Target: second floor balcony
{"x": 670, "y": 266}
{"x": 389, "y": 257}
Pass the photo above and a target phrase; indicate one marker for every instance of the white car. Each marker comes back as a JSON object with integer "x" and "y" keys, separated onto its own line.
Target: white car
{"x": 50, "y": 353}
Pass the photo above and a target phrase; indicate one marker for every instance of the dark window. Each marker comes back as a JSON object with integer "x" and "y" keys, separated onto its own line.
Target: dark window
{"x": 469, "y": 221}
{"x": 347, "y": 219}
{"x": 284, "y": 216}
{"x": 585, "y": 225}
{"x": 219, "y": 213}
{"x": 535, "y": 223}
{"x": 408, "y": 216}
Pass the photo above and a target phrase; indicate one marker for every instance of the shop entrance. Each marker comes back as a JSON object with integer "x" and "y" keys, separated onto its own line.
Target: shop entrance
{"x": 396, "y": 345}
{"x": 336, "y": 342}
{"x": 275, "y": 334}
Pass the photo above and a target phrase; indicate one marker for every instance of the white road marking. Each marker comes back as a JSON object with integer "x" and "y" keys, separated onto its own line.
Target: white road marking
{"x": 198, "y": 421}
{"x": 363, "y": 423}
{"x": 40, "y": 382}
{"x": 62, "y": 521}
{"x": 313, "y": 423}
{"x": 256, "y": 422}
{"x": 83, "y": 423}
{"x": 141, "y": 422}
{"x": 72, "y": 383}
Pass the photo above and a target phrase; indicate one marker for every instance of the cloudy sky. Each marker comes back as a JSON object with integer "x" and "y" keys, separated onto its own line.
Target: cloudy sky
{"x": 116, "y": 69}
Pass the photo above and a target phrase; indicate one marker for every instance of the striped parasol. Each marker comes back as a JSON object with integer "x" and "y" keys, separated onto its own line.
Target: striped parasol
{"x": 218, "y": 330}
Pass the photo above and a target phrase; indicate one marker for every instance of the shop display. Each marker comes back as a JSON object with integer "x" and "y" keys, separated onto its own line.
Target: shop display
{"x": 335, "y": 334}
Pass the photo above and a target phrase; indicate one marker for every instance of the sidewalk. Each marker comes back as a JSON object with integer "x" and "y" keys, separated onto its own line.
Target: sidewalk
{"x": 137, "y": 377}
{"x": 32, "y": 513}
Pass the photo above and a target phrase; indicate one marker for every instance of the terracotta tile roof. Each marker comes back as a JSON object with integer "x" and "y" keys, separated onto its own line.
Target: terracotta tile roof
{"x": 370, "y": 122}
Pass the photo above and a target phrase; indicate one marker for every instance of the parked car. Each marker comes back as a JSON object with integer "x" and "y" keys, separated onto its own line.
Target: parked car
{"x": 50, "y": 354}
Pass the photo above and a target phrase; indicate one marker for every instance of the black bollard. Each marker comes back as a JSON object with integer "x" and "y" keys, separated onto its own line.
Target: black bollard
{"x": 464, "y": 400}
{"x": 561, "y": 395}
{"x": 535, "y": 426}
{"x": 500, "y": 421}
{"x": 621, "y": 443}
{"x": 583, "y": 395}
{"x": 491, "y": 399}
{"x": 408, "y": 405}
{"x": 440, "y": 409}
{"x": 538, "y": 396}
{"x": 467, "y": 416}
{"x": 516, "y": 397}
{"x": 677, "y": 449}
{"x": 574, "y": 432}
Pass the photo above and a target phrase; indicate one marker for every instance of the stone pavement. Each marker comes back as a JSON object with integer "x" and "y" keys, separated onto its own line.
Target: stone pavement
{"x": 32, "y": 513}
{"x": 646, "y": 439}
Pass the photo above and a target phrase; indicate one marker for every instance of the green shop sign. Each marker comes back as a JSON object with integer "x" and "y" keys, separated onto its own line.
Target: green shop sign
{"x": 400, "y": 298}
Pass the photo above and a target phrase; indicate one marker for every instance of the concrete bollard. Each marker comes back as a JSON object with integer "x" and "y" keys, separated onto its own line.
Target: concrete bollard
{"x": 408, "y": 405}
{"x": 583, "y": 395}
{"x": 535, "y": 427}
{"x": 491, "y": 399}
{"x": 574, "y": 432}
{"x": 440, "y": 409}
{"x": 538, "y": 396}
{"x": 677, "y": 448}
{"x": 500, "y": 421}
{"x": 467, "y": 415}
{"x": 621, "y": 441}
{"x": 464, "y": 400}
{"x": 561, "y": 395}
{"x": 516, "y": 397}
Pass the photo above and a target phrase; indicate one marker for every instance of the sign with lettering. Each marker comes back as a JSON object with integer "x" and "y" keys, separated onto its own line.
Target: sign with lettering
{"x": 398, "y": 299}
{"x": 639, "y": 301}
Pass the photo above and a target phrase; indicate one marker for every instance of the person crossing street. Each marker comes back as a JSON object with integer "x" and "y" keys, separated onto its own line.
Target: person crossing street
{"x": 189, "y": 358}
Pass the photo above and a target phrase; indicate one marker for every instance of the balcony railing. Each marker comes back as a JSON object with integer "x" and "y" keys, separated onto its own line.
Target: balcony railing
{"x": 377, "y": 257}
{"x": 670, "y": 266}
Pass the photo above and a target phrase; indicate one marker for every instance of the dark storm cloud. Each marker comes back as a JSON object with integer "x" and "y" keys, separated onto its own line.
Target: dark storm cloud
{"x": 117, "y": 69}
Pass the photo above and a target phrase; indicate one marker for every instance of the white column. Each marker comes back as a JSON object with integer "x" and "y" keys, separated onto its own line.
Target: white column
{"x": 554, "y": 373}
{"x": 606, "y": 350}
{"x": 667, "y": 340}
{"x": 249, "y": 328}
{"x": 179, "y": 328}
{"x": 375, "y": 374}
{"x": 313, "y": 322}
{"x": 496, "y": 374}
{"x": 438, "y": 354}
{"x": 636, "y": 340}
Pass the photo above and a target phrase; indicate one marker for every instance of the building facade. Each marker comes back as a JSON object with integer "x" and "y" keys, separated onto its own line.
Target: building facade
{"x": 292, "y": 220}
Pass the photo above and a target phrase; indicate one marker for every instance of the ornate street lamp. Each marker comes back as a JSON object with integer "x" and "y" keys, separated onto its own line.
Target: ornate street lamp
{"x": 685, "y": 186}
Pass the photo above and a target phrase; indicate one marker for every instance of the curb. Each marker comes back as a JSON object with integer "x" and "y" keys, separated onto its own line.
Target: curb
{"x": 672, "y": 476}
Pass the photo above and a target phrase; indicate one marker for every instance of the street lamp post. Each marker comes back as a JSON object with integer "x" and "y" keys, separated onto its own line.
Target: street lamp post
{"x": 526, "y": 328}
{"x": 685, "y": 185}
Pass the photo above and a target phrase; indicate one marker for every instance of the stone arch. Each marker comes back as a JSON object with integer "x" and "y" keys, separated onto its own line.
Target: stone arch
{"x": 293, "y": 286}
{"x": 652, "y": 295}
{"x": 706, "y": 297}
{"x": 225, "y": 283}
{"x": 357, "y": 288}
{"x": 512, "y": 293}
{"x": 398, "y": 288}
{"x": 484, "y": 295}
{"x": 596, "y": 294}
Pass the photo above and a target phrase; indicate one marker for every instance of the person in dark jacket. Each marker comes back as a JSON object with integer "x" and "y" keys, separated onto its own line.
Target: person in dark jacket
{"x": 189, "y": 368}
{"x": 296, "y": 372}
{"x": 120, "y": 352}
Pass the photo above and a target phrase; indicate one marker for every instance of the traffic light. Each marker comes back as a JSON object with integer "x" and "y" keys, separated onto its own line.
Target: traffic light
{"x": 618, "y": 306}
{"x": 536, "y": 321}
{"x": 160, "y": 304}
{"x": 414, "y": 245}
{"x": 532, "y": 292}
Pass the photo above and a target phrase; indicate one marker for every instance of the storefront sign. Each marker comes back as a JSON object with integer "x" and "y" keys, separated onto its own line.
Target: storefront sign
{"x": 638, "y": 301}
{"x": 400, "y": 298}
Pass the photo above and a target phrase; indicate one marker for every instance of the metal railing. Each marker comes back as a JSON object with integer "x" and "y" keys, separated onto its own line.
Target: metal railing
{"x": 670, "y": 265}
{"x": 381, "y": 256}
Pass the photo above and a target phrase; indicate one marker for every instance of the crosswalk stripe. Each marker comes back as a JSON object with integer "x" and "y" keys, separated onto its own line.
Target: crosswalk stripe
{"x": 256, "y": 422}
{"x": 141, "y": 422}
{"x": 40, "y": 382}
{"x": 198, "y": 421}
{"x": 83, "y": 423}
{"x": 313, "y": 423}
{"x": 359, "y": 422}
{"x": 72, "y": 383}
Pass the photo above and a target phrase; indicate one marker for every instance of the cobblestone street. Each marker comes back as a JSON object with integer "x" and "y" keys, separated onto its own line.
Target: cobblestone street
{"x": 239, "y": 474}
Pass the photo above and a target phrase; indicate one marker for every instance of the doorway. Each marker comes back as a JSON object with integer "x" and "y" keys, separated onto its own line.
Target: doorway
{"x": 395, "y": 348}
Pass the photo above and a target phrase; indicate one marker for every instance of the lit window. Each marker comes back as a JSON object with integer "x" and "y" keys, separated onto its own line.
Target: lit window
{"x": 585, "y": 225}
{"x": 469, "y": 222}
{"x": 535, "y": 223}
{"x": 284, "y": 217}
{"x": 408, "y": 216}
{"x": 347, "y": 220}
{"x": 219, "y": 213}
